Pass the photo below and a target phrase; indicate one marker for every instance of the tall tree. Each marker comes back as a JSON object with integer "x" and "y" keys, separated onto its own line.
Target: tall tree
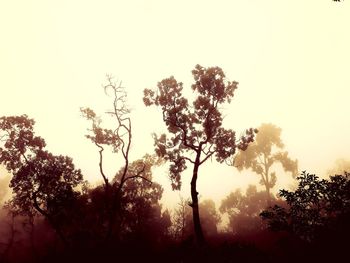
{"x": 119, "y": 139}
{"x": 262, "y": 154}
{"x": 195, "y": 132}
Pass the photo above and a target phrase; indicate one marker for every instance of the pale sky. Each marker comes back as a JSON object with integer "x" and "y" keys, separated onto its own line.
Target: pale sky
{"x": 291, "y": 59}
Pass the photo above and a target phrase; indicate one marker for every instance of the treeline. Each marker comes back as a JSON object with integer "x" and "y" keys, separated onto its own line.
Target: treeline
{"x": 298, "y": 227}
{"x": 54, "y": 215}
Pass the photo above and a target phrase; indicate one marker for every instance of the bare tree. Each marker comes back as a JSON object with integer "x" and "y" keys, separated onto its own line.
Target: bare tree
{"x": 180, "y": 219}
{"x": 119, "y": 139}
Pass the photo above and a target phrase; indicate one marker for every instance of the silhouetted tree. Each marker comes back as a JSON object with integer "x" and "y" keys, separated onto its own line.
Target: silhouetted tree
{"x": 119, "y": 139}
{"x": 42, "y": 182}
{"x": 314, "y": 206}
{"x": 142, "y": 215}
{"x": 195, "y": 128}
{"x": 262, "y": 154}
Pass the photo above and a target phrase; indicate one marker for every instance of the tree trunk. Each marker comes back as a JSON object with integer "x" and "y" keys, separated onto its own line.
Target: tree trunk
{"x": 195, "y": 208}
{"x": 267, "y": 184}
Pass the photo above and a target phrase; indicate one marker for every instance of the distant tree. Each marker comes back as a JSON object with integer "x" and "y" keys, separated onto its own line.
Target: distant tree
{"x": 180, "y": 220}
{"x": 182, "y": 223}
{"x": 4, "y": 187}
{"x": 42, "y": 182}
{"x": 195, "y": 129}
{"x": 262, "y": 154}
{"x": 340, "y": 166}
{"x": 210, "y": 217}
{"x": 316, "y": 205}
{"x": 244, "y": 210}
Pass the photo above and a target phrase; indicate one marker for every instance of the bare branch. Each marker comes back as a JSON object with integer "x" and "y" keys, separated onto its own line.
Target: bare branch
{"x": 105, "y": 179}
{"x": 206, "y": 158}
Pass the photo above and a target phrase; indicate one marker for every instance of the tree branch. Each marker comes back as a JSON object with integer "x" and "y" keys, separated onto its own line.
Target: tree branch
{"x": 207, "y": 157}
{"x": 105, "y": 179}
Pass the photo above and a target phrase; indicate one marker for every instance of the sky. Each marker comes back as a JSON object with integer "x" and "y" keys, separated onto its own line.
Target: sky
{"x": 291, "y": 59}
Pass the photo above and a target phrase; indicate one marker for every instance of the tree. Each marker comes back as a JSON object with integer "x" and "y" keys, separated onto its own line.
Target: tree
{"x": 340, "y": 166}
{"x": 119, "y": 139}
{"x": 180, "y": 219}
{"x": 142, "y": 213}
{"x": 183, "y": 223}
{"x": 4, "y": 187}
{"x": 195, "y": 129}
{"x": 262, "y": 154}
{"x": 210, "y": 217}
{"x": 42, "y": 182}
{"x": 244, "y": 210}
{"x": 316, "y": 205}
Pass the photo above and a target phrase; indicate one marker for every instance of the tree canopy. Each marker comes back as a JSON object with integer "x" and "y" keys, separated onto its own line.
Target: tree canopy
{"x": 42, "y": 182}
{"x": 243, "y": 210}
{"x": 195, "y": 128}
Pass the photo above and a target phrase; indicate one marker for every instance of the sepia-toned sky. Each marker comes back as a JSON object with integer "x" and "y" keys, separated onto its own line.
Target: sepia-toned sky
{"x": 291, "y": 59}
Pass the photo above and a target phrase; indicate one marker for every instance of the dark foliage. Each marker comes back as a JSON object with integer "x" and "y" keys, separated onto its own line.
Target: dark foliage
{"x": 42, "y": 182}
{"x": 318, "y": 212}
{"x": 315, "y": 205}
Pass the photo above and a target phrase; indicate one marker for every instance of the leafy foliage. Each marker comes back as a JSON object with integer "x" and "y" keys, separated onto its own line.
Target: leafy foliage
{"x": 197, "y": 127}
{"x": 42, "y": 182}
{"x": 316, "y": 204}
{"x": 142, "y": 212}
{"x": 18, "y": 141}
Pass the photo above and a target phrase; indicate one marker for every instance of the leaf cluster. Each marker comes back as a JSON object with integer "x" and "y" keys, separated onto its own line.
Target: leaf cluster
{"x": 195, "y": 128}
{"x": 314, "y": 205}
{"x": 41, "y": 181}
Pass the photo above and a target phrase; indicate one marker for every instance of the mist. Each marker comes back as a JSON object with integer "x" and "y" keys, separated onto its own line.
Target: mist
{"x": 174, "y": 132}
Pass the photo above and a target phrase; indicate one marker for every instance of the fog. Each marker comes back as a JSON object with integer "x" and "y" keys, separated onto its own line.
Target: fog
{"x": 290, "y": 59}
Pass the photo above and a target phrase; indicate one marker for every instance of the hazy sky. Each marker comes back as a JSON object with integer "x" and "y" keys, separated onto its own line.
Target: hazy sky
{"x": 291, "y": 59}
